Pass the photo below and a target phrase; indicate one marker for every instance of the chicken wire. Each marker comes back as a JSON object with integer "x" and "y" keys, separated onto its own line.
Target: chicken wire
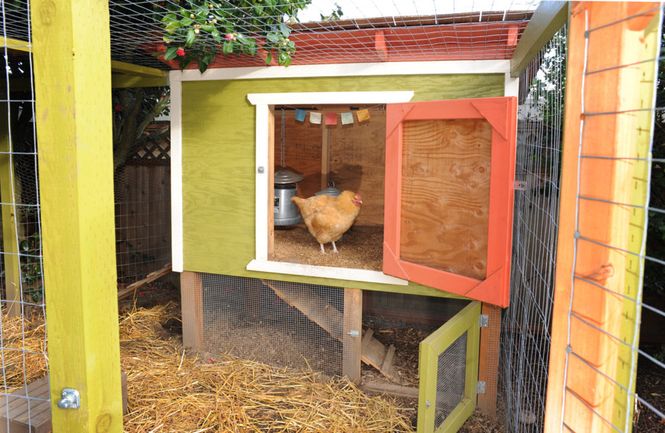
{"x": 23, "y": 353}
{"x": 525, "y": 333}
{"x": 450, "y": 379}
{"x": 143, "y": 211}
{"x": 246, "y": 318}
{"x": 411, "y": 30}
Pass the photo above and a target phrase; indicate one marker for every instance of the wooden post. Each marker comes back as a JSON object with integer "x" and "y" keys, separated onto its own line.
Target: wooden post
{"x": 594, "y": 326}
{"x": 271, "y": 179}
{"x": 10, "y": 224}
{"x": 325, "y": 156}
{"x": 352, "y": 339}
{"x": 191, "y": 302}
{"x": 488, "y": 364}
{"x": 72, "y": 70}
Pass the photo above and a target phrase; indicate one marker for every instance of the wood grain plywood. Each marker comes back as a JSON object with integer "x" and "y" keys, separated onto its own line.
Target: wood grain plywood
{"x": 302, "y": 150}
{"x": 445, "y": 195}
{"x": 358, "y": 163}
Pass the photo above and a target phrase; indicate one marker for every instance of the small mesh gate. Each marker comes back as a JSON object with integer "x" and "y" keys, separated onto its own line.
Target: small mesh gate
{"x": 264, "y": 321}
{"x": 450, "y": 379}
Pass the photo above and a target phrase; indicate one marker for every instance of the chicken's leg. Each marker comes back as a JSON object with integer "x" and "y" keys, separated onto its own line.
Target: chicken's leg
{"x": 334, "y": 248}
{"x": 323, "y": 250}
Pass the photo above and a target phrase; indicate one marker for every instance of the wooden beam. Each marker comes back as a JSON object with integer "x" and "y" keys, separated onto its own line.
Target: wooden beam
{"x": 10, "y": 226}
{"x": 353, "y": 327}
{"x": 596, "y": 311}
{"x": 488, "y": 362}
{"x": 15, "y": 44}
{"x": 548, "y": 18}
{"x": 191, "y": 303}
{"x": 141, "y": 71}
{"x": 72, "y": 71}
{"x": 128, "y": 81}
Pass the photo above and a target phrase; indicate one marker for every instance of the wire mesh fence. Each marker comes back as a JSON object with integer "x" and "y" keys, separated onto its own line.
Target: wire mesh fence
{"x": 525, "y": 332}
{"x": 332, "y": 31}
{"x": 141, "y": 182}
{"x": 24, "y": 392}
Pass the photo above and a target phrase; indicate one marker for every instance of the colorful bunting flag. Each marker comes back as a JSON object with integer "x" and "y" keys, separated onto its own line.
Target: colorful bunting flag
{"x": 331, "y": 119}
{"x": 315, "y": 118}
{"x": 347, "y": 118}
{"x": 300, "y": 115}
{"x": 363, "y": 115}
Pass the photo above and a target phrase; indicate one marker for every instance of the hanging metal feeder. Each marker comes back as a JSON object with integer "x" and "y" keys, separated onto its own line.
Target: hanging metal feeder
{"x": 286, "y": 213}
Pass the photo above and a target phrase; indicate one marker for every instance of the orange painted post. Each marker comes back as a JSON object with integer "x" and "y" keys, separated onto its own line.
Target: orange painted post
{"x": 608, "y": 121}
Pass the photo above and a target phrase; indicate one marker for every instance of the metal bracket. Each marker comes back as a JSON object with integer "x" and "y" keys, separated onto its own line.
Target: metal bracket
{"x": 520, "y": 185}
{"x": 69, "y": 399}
{"x": 481, "y": 386}
{"x": 484, "y": 320}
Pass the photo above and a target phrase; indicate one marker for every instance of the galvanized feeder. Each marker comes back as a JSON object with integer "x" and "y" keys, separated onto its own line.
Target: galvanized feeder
{"x": 286, "y": 213}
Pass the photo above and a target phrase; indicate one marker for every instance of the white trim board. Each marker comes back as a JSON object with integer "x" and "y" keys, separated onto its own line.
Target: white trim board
{"x": 352, "y": 70}
{"x": 324, "y": 272}
{"x": 262, "y": 101}
{"x": 177, "y": 254}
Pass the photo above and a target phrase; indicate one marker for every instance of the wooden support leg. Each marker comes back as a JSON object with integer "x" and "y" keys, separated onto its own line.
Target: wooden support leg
{"x": 191, "y": 301}
{"x": 488, "y": 364}
{"x": 352, "y": 339}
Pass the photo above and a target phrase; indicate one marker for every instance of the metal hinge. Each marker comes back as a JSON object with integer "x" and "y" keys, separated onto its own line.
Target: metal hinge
{"x": 484, "y": 320}
{"x": 520, "y": 185}
{"x": 480, "y": 387}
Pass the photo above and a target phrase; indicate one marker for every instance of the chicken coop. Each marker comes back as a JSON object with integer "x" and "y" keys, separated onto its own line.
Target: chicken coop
{"x": 482, "y": 180}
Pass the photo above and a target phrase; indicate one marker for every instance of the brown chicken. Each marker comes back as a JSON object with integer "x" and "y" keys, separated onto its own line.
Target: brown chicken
{"x": 327, "y": 218}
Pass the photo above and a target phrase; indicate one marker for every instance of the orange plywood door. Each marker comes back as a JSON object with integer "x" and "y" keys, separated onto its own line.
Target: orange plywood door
{"x": 450, "y": 167}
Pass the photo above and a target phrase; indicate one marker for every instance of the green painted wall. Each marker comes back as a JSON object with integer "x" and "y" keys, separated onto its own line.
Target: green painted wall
{"x": 218, "y": 162}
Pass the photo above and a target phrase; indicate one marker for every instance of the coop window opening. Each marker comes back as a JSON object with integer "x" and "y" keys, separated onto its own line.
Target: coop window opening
{"x": 269, "y": 155}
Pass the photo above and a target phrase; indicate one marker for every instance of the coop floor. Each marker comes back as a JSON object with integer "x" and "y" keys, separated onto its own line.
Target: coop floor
{"x": 360, "y": 248}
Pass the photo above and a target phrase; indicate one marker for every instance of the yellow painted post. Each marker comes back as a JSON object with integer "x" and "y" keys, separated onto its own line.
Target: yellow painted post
{"x": 9, "y": 225}
{"x": 72, "y": 65}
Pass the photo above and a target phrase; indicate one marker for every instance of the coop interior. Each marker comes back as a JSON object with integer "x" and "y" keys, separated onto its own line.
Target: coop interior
{"x": 344, "y": 156}
{"x": 445, "y": 187}
{"x": 303, "y": 327}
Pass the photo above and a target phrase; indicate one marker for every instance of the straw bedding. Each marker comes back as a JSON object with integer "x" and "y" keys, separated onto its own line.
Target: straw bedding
{"x": 172, "y": 391}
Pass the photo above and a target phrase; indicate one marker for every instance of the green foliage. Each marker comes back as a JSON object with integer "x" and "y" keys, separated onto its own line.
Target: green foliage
{"x": 133, "y": 111}
{"x": 197, "y": 30}
{"x": 31, "y": 267}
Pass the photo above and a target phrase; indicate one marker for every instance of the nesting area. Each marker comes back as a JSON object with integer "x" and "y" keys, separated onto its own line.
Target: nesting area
{"x": 360, "y": 248}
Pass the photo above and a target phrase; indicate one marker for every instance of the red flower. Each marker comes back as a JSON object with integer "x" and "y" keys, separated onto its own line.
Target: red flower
{"x": 180, "y": 52}
{"x": 118, "y": 107}
{"x": 230, "y": 37}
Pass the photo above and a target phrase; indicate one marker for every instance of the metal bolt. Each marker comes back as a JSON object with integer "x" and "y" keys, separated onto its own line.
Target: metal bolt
{"x": 261, "y": 170}
{"x": 69, "y": 399}
{"x": 427, "y": 403}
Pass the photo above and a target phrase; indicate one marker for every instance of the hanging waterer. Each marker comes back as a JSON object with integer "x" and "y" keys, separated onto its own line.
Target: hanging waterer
{"x": 286, "y": 213}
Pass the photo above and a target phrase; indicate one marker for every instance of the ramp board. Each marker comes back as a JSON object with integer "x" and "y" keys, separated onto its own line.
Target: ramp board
{"x": 331, "y": 320}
